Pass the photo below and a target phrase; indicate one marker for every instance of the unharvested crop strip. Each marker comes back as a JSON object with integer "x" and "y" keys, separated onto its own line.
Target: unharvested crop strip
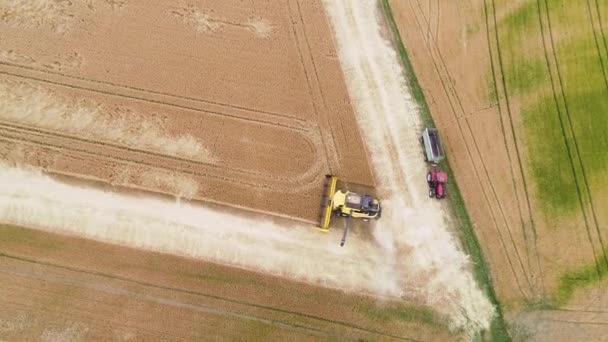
{"x": 470, "y": 155}
{"x": 198, "y": 293}
{"x": 299, "y": 127}
{"x": 565, "y": 139}
{"x": 574, "y": 140}
{"x": 513, "y": 134}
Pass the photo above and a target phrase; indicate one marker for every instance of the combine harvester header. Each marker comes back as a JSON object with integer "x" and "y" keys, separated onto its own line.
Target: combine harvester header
{"x": 347, "y": 204}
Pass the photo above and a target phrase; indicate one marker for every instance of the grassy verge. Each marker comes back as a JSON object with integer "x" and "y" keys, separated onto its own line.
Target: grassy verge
{"x": 404, "y": 313}
{"x": 498, "y": 330}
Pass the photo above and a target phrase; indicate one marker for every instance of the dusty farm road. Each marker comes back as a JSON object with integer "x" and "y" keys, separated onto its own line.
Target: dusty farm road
{"x": 412, "y": 255}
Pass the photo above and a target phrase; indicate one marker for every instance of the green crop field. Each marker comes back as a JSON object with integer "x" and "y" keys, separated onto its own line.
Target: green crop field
{"x": 555, "y": 54}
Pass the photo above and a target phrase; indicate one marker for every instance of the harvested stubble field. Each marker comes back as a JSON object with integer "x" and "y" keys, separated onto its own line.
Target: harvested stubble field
{"x": 519, "y": 90}
{"x": 228, "y": 104}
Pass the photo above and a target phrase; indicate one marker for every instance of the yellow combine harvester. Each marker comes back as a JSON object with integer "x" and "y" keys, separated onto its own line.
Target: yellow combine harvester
{"x": 346, "y": 204}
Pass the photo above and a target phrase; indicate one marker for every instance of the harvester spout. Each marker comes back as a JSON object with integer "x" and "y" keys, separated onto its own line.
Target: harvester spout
{"x": 345, "y": 231}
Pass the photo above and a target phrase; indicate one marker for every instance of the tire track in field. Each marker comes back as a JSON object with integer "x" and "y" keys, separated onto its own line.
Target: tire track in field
{"x": 15, "y": 136}
{"x": 452, "y": 92}
{"x": 574, "y": 139}
{"x": 308, "y": 84}
{"x": 62, "y": 142}
{"x": 512, "y": 131}
{"x": 438, "y": 21}
{"x": 300, "y": 127}
{"x": 554, "y": 85}
{"x": 597, "y": 45}
{"x": 166, "y": 301}
{"x": 201, "y": 294}
{"x": 102, "y": 322}
{"x": 155, "y": 92}
{"x": 332, "y": 152}
{"x": 79, "y": 314}
{"x": 602, "y": 32}
{"x": 195, "y": 163}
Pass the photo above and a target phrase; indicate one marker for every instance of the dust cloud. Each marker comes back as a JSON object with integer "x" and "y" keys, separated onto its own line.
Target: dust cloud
{"x": 414, "y": 229}
{"x": 30, "y": 198}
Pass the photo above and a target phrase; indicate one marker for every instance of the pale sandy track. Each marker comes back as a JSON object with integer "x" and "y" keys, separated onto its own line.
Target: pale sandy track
{"x": 32, "y": 199}
{"x": 415, "y": 229}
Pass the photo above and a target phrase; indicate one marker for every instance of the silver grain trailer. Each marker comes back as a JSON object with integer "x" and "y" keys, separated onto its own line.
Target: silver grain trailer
{"x": 433, "y": 150}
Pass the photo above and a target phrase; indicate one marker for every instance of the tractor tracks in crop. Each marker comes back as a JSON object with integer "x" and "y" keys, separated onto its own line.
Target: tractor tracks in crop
{"x": 601, "y": 25}
{"x": 499, "y": 71}
{"x": 457, "y": 106}
{"x": 595, "y": 39}
{"x": 151, "y": 96}
{"x": 56, "y": 141}
{"x": 567, "y": 129}
{"x": 201, "y": 294}
{"x": 331, "y": 152}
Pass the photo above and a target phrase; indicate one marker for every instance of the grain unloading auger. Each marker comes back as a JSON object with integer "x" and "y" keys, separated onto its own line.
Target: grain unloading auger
{"x": 347, "y": 204}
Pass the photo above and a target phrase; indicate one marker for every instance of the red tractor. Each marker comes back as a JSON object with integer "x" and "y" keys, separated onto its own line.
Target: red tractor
{"x": 437, "y": 180}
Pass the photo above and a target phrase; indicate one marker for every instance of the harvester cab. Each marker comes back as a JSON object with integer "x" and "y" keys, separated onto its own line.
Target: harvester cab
{"x": 345, "y": 203}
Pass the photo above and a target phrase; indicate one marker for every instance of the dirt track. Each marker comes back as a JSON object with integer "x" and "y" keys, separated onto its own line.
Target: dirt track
{"x": 267, "y": 134}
